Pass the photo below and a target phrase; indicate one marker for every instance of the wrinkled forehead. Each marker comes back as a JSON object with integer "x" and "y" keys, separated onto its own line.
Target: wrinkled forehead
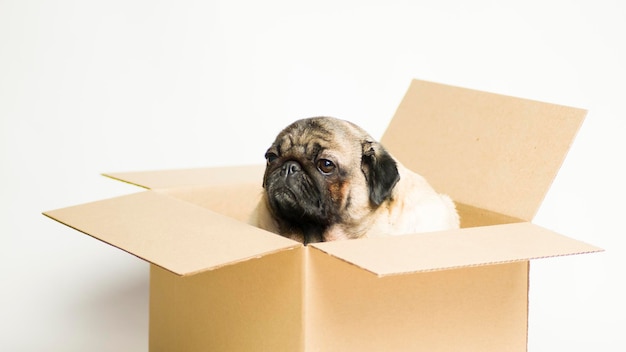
{"x": 313, "y": 136}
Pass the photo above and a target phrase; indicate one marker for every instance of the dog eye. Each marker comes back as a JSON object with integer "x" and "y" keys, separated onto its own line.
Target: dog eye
{"x": 325, "y": 166}
{"x": 270, "y": 157}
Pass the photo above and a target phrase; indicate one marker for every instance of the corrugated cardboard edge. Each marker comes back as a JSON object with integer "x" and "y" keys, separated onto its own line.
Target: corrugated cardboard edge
{"x": 108, "y": 221}
{"x": 462, "y": 140}
{"x": 243, "y": 259}
{"x": 359, "y": 252}
{"x": 191, "y": 273}
{"x": 443, "y": 310}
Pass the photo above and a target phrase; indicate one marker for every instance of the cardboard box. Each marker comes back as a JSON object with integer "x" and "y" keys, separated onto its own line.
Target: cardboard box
{"x": 218, "y": 284}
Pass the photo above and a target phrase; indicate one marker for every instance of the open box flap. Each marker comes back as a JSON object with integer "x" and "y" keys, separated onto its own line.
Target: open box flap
{"x": 173, "y": 234}
{"x": 491, "y": 151}
{"x": 210, "y": 176}
{"x": 454, "y": 249}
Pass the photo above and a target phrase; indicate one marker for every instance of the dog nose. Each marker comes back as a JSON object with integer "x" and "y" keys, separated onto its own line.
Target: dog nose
{"x": 290, "y": 167}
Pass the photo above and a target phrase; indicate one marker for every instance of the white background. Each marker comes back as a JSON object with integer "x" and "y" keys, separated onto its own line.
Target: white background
{"x": 94, "y": 86}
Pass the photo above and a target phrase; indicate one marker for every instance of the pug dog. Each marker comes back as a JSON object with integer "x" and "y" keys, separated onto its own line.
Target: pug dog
{"x": 327, "y": 179}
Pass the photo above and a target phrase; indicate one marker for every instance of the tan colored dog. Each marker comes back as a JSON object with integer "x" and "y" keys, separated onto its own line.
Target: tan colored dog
{"x": 327, "y": 179}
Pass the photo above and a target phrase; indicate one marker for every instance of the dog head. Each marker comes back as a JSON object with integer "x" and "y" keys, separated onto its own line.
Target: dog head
{"x": 322, "y": 172}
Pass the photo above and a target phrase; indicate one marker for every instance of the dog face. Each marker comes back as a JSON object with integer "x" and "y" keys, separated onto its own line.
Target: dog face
{"x": 322, "y": 172}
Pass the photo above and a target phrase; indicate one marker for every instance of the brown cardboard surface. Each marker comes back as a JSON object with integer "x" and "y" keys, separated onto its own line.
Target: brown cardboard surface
{"x": 210, "y": 176}
{"x": 454, "y": 249}
{"x": 173, "y": 234}
{"x": 473, "y": 217}
{"x": 252, "y": 306}
{"x": 487, "y": 150}
{"x": 471, "y": 309}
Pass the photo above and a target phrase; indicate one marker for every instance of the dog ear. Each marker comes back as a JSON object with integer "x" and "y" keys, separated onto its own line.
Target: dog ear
{"x": 380, "y": 170}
